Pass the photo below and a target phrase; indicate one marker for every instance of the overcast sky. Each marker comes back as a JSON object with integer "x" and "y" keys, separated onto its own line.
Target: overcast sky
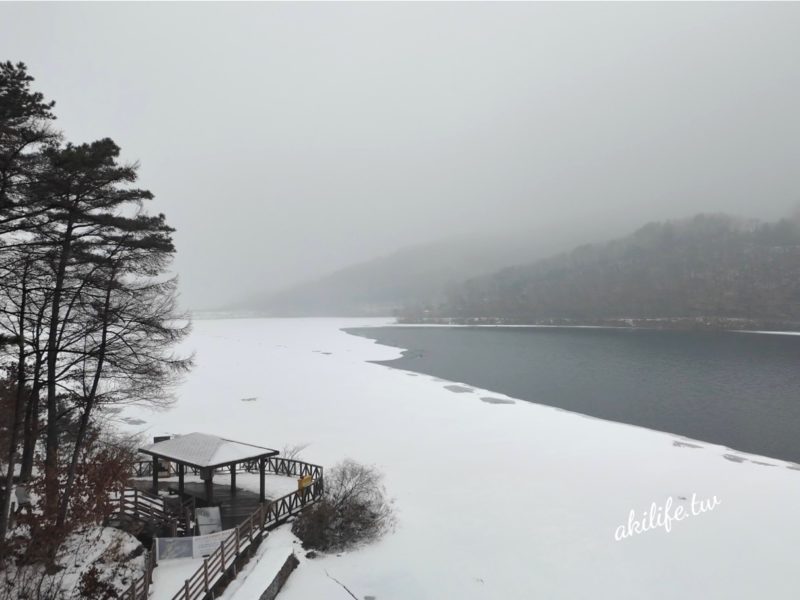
{"x": 286, "y": 140}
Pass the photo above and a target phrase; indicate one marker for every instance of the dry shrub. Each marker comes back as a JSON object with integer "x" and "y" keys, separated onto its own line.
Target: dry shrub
{"x": 95, "y": 563}
{"x": 292, "y": 451}
{"x": 354, "y": 510}
{"x": 105, "y": 465}
{"x": 93, "y": 587}
{"x": 30, "y": 582}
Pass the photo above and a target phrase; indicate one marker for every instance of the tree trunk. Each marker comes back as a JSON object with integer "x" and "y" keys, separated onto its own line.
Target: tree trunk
{"x": 51, "y": 438}
{"x": 31, "y": 428}
{"x": 87, "y": 409}
{"x": 30, "y": 432}
{"x": 16, "y": 420}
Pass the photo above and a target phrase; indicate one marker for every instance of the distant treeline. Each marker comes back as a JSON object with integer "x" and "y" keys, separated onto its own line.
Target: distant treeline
{"x": 710, "y": 270}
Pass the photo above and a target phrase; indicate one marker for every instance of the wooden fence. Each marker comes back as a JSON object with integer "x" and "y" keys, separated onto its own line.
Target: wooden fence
{"x": 275, "y": 464}
{"x": 292, "y": 468}
{"x": 143, "y": 506}
{"x": 223, "y": 559}
{"x": 140, "y": 588}
{"x": 281, "y": 509}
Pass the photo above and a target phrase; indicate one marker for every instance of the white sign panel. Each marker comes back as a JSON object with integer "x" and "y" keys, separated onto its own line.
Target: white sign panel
{"x": 208, "y": 519}
{"x": 186, "y": 547}
{"x": 177, "y": 547}
{"x": 206, "y": 544}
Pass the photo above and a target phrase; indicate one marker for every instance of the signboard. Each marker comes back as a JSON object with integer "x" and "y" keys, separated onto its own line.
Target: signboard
{"x": 190, "y": 547}
{"x": 208, "y": 519}
{"x": 304, "y": 482}
{"x": 177, "y": 547}
{"x": 206, "y": 544}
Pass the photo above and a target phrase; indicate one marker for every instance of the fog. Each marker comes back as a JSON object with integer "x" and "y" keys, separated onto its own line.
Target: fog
{"x": 287, "y": 140}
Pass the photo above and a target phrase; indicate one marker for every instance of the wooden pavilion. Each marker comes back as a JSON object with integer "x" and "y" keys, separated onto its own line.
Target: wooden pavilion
{"x": 206, "y": 453}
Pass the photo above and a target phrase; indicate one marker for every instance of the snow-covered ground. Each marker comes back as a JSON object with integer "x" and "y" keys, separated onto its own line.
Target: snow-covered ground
{"x": 169, "y": 575}
{"x": 495, "y": 500}
{"x": 116, "y": 555}
{"x": 262, "y": 568}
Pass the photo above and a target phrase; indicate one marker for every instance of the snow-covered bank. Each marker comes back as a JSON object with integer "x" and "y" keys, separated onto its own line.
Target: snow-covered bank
{"x": 102, "y": 561}
{"x": 495, "y": 500}
{"x": 262, "y": 568}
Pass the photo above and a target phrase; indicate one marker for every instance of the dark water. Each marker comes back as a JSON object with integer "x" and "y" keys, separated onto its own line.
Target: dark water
{"x": 737, "y": 389}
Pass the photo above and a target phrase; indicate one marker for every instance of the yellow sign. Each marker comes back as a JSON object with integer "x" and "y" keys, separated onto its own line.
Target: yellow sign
{"x": 304, "y": 482}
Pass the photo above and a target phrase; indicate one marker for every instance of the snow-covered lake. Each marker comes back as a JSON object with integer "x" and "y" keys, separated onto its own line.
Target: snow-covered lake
{"x": 495, "y": 500}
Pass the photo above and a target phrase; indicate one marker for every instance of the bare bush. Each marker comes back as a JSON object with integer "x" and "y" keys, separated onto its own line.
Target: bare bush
{"x": 106, "y": 464}
{"x": 292, "y": 451}
{"x": 354, "y": 510}
{"x": 94, "y": 563}
{"x": 31, "y": 582}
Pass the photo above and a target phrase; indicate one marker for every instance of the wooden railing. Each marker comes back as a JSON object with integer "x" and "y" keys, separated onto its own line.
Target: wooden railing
{"x": 144, "y": 506}
{"x": 265, "y": 517}
{"x": 275, "y": 464}
{"x": 293, "y": 468}
{"x": 281, "y": 509}
{"x": 144, "y": 468}
{"x": 140, "y": 588}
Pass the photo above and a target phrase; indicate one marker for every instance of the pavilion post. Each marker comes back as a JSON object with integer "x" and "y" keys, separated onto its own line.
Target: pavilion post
{"x": 181, "y": 469}
{"x": 155, "y": 474}
{"x": 233, "y": 479}
{"x": 210, "y": 486}
{"x": 262, "y": 464}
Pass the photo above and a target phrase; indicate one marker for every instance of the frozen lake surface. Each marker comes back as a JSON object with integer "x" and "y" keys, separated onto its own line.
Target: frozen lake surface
{"x": 740, "y": 390}
{"x": 502, "y": 499}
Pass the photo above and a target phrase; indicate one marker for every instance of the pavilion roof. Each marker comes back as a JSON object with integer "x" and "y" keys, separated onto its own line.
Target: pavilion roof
{"x": 204, "y": 450}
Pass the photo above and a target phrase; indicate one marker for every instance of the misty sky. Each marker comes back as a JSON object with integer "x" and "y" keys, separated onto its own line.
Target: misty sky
{"x": 286, "y": 140}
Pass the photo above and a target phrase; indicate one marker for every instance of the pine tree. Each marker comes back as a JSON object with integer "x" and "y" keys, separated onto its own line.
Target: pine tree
{"x": 86, "y": 301}
{"x": 24, "y": 132}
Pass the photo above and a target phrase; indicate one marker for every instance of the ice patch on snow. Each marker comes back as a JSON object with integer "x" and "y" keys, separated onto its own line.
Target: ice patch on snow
{"x": 459, "y": 389}
{"x": 681, "y": 444}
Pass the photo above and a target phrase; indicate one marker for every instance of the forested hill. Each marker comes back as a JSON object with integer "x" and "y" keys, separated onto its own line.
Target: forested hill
{"x": 711, "y": 270}
{"x": 416, "y": 275}
{"x": 380, "y": 286}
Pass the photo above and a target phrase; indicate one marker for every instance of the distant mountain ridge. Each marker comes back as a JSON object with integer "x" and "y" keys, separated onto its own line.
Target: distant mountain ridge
{"x": 415, "y": 276}
{"x": 710, "y": 270}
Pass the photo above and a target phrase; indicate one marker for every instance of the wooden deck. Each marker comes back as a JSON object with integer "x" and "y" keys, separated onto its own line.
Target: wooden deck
{"x": 234, "y": 508}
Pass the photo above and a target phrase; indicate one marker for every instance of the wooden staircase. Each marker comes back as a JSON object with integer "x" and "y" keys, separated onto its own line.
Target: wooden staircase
{"x": 171, "y": 517}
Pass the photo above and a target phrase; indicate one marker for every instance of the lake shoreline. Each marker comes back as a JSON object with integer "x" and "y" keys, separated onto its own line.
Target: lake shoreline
{"x": 655, "y": 323}
{"x": 565, "y": 480}
{"x": 720, "y": 387}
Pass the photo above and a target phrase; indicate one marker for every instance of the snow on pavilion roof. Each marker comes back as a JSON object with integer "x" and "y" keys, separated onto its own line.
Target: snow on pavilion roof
{"x": 205, "y": 450}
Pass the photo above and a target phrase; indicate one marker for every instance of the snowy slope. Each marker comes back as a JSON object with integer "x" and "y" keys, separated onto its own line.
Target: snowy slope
{"x": 494, "y": 500}
{"x": 116, "y": 555}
